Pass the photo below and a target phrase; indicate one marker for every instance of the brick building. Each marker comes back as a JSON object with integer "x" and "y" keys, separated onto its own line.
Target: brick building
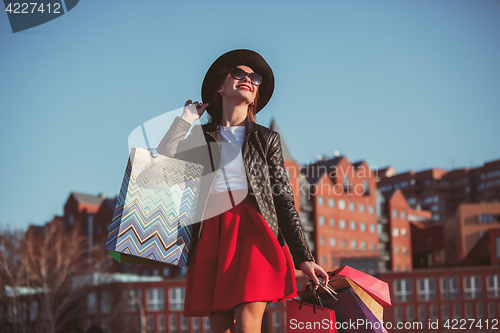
{"x": 467, "y": 226}
{"x": 338, "y": 209}
{"x": 444, "y": 294}
{"x": 442, "y": 191}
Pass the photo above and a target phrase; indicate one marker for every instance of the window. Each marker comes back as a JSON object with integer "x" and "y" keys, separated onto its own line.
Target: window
{"x": 371, "y": 209}
{"x": 342, "y": 224}
{"x": 134, "y": 298}
{"x": 155, "y": 299}
{"x": 472, "y": 287}
{"x": 479, "y": 310}
{"x": 403, "y": 290}
{"x": 362, "y": 208}
{"x": 468, "y": 310}
{"x": 24, "y": 311}
{"x": 366, "y": 185}
{"x": 91, "y": 303}
{"x": 322, "y": 240}
{"x": 323, "y": 260}
{"x": 321, "y": 200}
{"x": 398, "y": 268}
{"x": 344, "y": 242}
{"x": 184, "y": 327}
{"x": 139, "y": 323}
{"x": 172, "y": 319}
{"x": 341, "y": 204}
{"x": 486, "y": 218}
{"x": 33, "y": 310}
{"x": 396, "y": 250}
{"x": 195, "y": 324}
{"x": 276, "y": 322}
{"x": 363, "y": 245}
{"x": 426, "y": 289}
{"x": 374, "y": 247}
{"x": 332, "y": 222}
{"x": 422, "y": 314}
{"x": 449, "y": 288}
{"x": 176, "y": 298}
{"x": 493, "y": 287}
{"x": 410, "y": 313}
{"x": 206, "y": 324}
{"x": 395, "y": 232}
{"x": 352, "y": 206}
{"x": 445, "y": 312}
{"x": 346, "y": 182}
{"x": 333, "y": 241}
{"x": 10, "y": 313}
{"x": 373, "y": 228}
{"x": 456, "y": 311}
{"x": 156, "y": 272}
{"x": 105, "y": 301}
{"x": 151, "y": 323}
{"x": 491, "y": 310}
{"x": 166, "y": 271}
{"x": 334, "y": 262}
{"x": 352, "y": 225}
{"x": 354, "y": 244}
{"x": 405, "y": 251}
{"x": 161, "y": 324}
{"x": 395, "y": 213}
{"x": 362, "y": 226}
{"x": 404, "y": 232}
{"x": 433, "y": 313}
{"x": 321, "y": 220}
{"x": 331, "y": 202}
{"x": 398, "y": 313}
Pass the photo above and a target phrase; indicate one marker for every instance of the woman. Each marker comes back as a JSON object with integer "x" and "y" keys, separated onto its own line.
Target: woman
{"x": 239, "y": 262}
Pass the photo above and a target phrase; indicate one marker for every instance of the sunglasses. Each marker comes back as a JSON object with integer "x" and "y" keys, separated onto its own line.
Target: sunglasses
{"x": 238, "y": 74}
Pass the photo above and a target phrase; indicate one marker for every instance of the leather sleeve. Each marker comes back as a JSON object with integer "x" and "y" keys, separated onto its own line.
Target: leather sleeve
{"x": 172, "y": 141}
{"x": 288, "y": 217}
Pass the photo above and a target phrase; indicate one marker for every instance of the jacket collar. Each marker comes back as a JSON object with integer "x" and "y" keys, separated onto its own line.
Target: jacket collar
{"x": 213, "y": 129}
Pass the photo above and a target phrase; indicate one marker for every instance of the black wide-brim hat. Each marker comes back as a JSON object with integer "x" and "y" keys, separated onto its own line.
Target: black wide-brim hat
{"x": 222, "y": 66}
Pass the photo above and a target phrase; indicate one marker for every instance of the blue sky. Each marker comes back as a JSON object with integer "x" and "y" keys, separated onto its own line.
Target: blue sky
{"x": 412, "y": 84}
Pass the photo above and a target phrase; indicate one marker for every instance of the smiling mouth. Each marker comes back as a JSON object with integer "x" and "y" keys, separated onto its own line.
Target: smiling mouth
{"x": 244, "y": 86}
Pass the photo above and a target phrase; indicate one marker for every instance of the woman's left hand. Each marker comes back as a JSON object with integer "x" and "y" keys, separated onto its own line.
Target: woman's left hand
{"x": 312, "y": 270}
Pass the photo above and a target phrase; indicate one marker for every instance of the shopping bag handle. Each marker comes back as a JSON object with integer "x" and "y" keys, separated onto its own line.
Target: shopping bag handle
{"x": 329, "y": 289}
{"x": 315, "y": 294}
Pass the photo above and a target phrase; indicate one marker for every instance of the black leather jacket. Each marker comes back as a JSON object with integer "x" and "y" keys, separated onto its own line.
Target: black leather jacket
{"x": 265, "y": 172}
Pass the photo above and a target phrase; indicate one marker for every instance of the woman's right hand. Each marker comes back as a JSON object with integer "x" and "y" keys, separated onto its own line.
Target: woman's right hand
{"x": 193, "y": 111}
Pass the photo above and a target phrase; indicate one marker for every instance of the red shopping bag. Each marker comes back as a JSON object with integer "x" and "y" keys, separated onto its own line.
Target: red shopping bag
{"x": 304, "y": 319}
{"x": 376, "y": 288}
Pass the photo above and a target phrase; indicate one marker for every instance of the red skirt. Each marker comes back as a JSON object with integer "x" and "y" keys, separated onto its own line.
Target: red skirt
{"x": 237, "y": 259}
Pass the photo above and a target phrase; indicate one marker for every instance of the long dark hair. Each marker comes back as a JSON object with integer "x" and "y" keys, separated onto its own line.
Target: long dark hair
{"x": 216, "y": 104}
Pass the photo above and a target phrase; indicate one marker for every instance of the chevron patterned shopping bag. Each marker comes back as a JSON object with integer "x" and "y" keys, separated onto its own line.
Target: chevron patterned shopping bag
{"x": 157, "y": 203}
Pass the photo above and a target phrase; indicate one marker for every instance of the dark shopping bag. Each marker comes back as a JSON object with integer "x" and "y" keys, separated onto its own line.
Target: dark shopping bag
{"x": 376, "y": 288}
{"x": 352, "y": 314}
{"x": 339, "y": 282}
